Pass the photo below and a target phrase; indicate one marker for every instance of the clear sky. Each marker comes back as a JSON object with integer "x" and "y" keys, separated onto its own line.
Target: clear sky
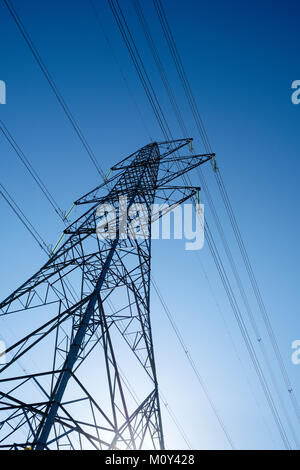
{"x": 241, "y": 59}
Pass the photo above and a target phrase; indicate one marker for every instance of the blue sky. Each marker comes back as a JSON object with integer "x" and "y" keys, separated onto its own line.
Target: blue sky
{"x": 241, "y": 59}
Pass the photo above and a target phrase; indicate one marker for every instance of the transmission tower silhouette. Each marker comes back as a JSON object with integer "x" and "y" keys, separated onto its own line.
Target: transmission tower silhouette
{"x": 74, "y": 312}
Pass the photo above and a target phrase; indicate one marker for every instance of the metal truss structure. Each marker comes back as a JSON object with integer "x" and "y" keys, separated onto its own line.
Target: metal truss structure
{"x": 84, "y": 317}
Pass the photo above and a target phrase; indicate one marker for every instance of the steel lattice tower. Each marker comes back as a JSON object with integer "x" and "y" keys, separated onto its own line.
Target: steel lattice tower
{"x": 86, "y": 308}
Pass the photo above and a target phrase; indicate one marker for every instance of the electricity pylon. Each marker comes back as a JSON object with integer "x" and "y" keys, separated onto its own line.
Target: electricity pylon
{"x": 83, "y": 312}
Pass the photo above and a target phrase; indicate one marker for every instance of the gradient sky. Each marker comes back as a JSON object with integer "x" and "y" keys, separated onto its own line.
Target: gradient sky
{"x": 241, "y": 59}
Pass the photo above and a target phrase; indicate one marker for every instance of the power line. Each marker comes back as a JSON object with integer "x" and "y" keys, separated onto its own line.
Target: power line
{"x": 249, "y": 345}
{"x": 181, "y": 123}
{"x": 259, "y": 298}
{"x": 243, "y": 328}
{"x": 53, "y": 85}
{"x": 175, "y": 420}
{"x": 31, "y": 170}
{"x": 131, "y": 95}
{"x": 160, "y": 67}
{"x": 132, "y": 48}
{"x": 195, "y": 111}
{"x": 140, "y": 68}
{"x": 192, "y": 363}
{"x": 23, "y": 219}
